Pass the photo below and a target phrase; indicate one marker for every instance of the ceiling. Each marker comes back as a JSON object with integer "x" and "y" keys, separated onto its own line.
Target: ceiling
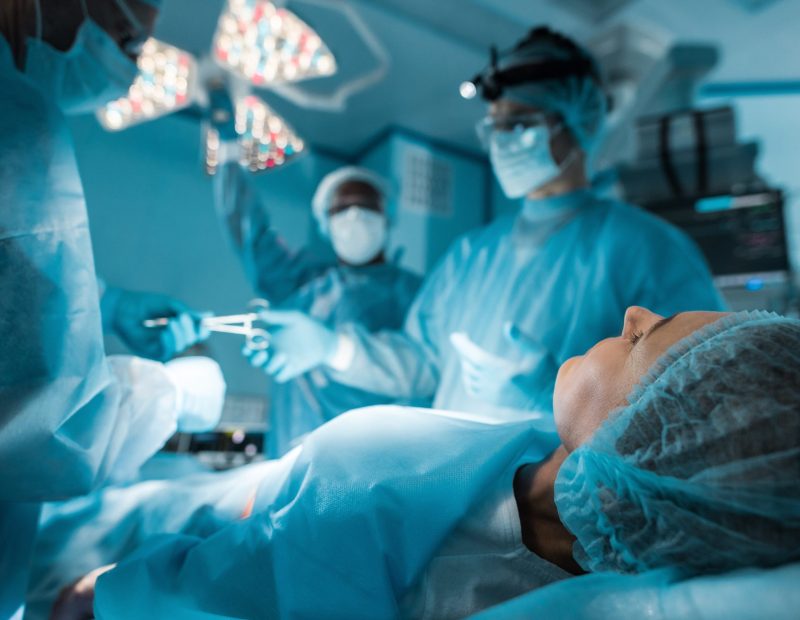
{"x": 433, "y": 45}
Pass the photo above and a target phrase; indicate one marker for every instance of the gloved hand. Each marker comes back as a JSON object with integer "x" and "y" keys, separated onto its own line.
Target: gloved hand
{"x": 297, "y": 344}
{"x": 126, "y": 311}
{"x": 497, "y": 380}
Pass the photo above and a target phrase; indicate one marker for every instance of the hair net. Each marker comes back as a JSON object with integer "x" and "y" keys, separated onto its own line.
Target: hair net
{"x": 580, "y": 101}
{"x": 327, "y": 187}
{"x": 702, "y": 470}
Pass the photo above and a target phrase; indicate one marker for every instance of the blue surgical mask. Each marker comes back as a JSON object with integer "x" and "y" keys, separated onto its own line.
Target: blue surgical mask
{"x": 521, "y": 159}
{"x": 92, "y": 73}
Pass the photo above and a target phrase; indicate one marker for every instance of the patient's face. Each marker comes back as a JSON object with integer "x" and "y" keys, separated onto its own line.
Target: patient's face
{"x": 590, "y": 386}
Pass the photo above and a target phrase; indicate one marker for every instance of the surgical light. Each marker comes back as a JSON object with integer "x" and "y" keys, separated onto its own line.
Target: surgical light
{"x": 267, "y": 45}
{"x": 167, "y": 82}
{"x": 264, "y": 140}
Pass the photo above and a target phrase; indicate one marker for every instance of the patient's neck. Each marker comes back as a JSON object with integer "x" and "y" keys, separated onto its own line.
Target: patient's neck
{"x": 542, "y": 531}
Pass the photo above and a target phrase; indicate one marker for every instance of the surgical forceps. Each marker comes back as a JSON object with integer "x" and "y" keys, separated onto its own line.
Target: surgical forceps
{"x": 256, "y": 338}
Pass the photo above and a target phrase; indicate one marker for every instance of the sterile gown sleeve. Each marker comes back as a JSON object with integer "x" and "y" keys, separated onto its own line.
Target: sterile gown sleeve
{"x": 749, "y": 594}
{"x": 273, "y": 269}
{"x": 65, "y": 421}
{"x": 406, "y": 364}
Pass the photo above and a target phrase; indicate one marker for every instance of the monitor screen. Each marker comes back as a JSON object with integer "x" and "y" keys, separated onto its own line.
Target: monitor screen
{"x": 739, "y": 235}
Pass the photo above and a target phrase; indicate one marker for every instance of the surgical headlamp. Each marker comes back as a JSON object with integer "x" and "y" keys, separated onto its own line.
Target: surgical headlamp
{"x": 493, "y": 81}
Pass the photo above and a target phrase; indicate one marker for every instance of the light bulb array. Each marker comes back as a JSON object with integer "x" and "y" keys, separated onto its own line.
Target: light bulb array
{"x": 269, "y": 45}
{"x": 166, "y": 83}
{"x": 265, "y": 141}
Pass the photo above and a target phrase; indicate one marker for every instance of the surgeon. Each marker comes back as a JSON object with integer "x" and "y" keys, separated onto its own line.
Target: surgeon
{"x": 509, "y": 302}
{"x": 69, "y": 418}
{"x": 362, "y": 288}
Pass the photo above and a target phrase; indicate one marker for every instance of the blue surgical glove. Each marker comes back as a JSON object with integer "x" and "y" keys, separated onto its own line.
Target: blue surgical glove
{"x": 125, "y": 312}
{"x": 297, "y": 344}
{"x": 500, "y": 381}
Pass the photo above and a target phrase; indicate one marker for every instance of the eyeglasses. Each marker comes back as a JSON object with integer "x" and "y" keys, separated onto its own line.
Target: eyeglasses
{"x": 515, "y": 123}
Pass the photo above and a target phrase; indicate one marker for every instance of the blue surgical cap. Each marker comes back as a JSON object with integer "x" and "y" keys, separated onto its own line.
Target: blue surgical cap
{"x": 579, "y": 100}
{"x": 701, "y": 471}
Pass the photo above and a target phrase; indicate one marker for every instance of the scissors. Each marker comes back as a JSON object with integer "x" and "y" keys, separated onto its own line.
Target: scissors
{"x": 256, "y": 338}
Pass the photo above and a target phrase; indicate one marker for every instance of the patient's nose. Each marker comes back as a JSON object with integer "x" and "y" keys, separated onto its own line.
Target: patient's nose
{"x": 639, "y": 319}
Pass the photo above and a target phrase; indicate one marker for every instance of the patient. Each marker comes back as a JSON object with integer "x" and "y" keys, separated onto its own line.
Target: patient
{"x": 684, "y": 464}
{"x": 700, "y": 469}
{"x": 681, "y": 448}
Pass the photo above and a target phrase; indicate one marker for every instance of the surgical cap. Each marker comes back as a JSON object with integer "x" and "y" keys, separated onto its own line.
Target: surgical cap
{"x": 701, "y": 472}
{"x": 578, "y": 100}
{"x": 154, "y": 3}
{"x": 323, "y": 197}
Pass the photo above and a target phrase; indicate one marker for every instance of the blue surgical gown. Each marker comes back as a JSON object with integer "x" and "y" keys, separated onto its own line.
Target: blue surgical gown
{"x": 67, "y": 422}
{"x": 374, "y": 297}
{"x": 565, "y": 279}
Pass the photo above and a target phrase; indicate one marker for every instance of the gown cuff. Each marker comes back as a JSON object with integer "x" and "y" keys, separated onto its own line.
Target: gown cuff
{"x": 343, "y": 354}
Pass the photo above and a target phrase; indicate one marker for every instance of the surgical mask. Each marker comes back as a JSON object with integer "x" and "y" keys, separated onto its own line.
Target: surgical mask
{"x": 92, "y": 73}
{"x": 521, "y": 159}
{"x": 358, "y": 234}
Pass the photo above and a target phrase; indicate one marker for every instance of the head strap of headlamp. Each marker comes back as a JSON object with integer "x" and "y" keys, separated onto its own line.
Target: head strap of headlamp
{"x": 493, "y": 80}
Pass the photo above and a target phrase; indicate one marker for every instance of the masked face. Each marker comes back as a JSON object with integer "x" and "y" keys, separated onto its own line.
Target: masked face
{"x": 93, "y": 72}
{"x": 358, "y": 234}
{"x": 521, "y": 159}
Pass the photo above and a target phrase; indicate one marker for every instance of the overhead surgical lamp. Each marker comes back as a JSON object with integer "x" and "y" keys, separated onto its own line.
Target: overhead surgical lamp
{"x": 259, "y": 43}
{"x": 266, "y": 44}
{"x": 167, "y": 82}
{"x": 267, "y": 141}
{"x": 261, "y": 140}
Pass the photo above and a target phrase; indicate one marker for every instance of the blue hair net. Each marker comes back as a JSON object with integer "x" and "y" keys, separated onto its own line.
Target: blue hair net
{"x": 701, "y": 471}
{"x": 580, "y": 101}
